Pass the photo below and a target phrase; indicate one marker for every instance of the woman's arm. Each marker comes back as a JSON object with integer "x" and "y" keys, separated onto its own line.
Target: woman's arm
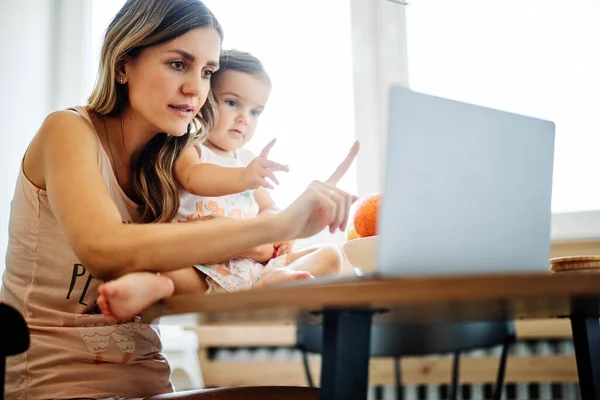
{"x": 260, "y": 253}
{"x": 63, "y": 159}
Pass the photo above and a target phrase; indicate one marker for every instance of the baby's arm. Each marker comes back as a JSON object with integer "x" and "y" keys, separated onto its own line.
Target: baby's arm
{"x": 210, "y": 180}
{"x": 266, "y": 204}
{"x": 205, "y": 179}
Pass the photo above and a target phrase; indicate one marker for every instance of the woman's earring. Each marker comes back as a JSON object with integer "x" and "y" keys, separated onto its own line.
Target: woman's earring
{"x": 121, "y": 79}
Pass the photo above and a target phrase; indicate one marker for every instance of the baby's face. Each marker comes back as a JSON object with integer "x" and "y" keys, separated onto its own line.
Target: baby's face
{"x": 241, "y": 99}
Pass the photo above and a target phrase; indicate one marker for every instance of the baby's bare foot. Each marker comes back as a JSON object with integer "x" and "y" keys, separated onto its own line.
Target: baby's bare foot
{"x": 282, "y": 275}
{"x": 128, "y": 295}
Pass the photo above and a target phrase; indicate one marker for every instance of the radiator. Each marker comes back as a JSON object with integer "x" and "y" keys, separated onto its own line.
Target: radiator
{"x": 521, "y": 391}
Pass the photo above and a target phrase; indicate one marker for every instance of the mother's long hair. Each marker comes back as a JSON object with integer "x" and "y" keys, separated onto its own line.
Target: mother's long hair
{"x": 138, "y": 25}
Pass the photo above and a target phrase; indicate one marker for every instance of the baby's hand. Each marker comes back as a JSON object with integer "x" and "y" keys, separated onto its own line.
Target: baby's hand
{"x": 284, "y": 248}
{"x": 200, "y": 218}
{"x": 263, "y": 253}
{"x": 256, "y": 173}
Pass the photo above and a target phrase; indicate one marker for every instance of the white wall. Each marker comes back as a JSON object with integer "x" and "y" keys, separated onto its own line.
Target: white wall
{"x": 25, "y": 71}
{"x": 72, "y": 58}
{"x": 42, "y": 69}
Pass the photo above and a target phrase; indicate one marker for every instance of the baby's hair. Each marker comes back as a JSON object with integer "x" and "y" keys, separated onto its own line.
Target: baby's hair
{"x": 235, "y": 60}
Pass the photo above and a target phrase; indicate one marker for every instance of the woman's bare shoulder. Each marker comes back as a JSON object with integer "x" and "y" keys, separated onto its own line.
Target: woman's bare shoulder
{"x": 66, "y": 122}
{"x": 60, "y": 133}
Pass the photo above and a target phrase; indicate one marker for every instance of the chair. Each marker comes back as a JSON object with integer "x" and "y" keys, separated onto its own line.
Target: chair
{"x": 396, "y": 340}
{"x": 16, "y": 337}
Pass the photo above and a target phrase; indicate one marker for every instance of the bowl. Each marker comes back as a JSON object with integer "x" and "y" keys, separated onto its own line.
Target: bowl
{"x": 361, "y": 253}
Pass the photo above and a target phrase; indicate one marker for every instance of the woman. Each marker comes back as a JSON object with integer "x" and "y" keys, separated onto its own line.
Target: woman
{"x": 74, "y": 215}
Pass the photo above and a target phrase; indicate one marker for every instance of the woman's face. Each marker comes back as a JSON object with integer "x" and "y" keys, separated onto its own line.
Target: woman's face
{"x": 169, "y": 83}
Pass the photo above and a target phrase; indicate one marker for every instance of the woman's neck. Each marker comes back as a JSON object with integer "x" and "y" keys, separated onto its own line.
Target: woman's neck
{"x": 123, "y": 138}
{"x": 128, "y": 135}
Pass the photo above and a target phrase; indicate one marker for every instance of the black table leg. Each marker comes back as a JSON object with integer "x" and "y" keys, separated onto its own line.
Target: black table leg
{"x": 586, "y": 338}
{"x": 346, "y": 353}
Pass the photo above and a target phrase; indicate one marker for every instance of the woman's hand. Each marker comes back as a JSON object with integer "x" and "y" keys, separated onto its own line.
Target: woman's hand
{"x": 321, "y": 205}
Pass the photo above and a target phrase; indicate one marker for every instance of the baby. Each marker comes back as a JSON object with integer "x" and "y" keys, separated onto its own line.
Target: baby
{"x": 222, "y": 179}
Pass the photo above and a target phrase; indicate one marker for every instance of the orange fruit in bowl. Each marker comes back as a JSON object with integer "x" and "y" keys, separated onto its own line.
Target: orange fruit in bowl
{"x": 365, "y": 217}
{"x": 361, "y": 253}
{"x": 351, "y": 233}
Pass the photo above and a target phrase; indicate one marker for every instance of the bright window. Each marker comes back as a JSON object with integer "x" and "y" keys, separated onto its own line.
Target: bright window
{"x": 306, "y": 49}
{"x": 532, "y": 57}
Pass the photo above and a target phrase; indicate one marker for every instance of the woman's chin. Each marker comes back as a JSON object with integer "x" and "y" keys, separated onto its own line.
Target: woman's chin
{"x": 175, "y": 130}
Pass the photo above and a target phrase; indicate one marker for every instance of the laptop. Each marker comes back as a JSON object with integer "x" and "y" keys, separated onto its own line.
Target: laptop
{"x": 467, "y": 189}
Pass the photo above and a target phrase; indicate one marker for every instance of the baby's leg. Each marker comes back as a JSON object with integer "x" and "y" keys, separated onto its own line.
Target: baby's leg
{"x": 127, "y": 296}
{"x": 283, "y": 274}
{"x": 319, "y": 261}
{"x": 187, "y": 280}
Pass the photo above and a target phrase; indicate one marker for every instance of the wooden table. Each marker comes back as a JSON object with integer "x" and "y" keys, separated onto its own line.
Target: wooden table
{"x": 348, "y": 306}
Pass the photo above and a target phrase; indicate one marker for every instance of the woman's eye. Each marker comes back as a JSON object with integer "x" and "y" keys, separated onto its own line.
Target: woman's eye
{"x": 208, "y": 73}
{"x": 178, "y": 65}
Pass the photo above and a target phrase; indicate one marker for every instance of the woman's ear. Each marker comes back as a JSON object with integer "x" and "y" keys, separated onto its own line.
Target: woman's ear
{"x": 121, "y": 72}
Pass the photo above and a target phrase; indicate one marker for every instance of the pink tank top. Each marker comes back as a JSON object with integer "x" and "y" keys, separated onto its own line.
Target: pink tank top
{"x": 71, "y": 355}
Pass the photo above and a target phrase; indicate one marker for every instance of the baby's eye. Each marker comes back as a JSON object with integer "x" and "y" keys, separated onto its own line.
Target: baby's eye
{"x": 178, "y": 65}
{"x": 231, "y": 103}
{"x": 255, "y": 113}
